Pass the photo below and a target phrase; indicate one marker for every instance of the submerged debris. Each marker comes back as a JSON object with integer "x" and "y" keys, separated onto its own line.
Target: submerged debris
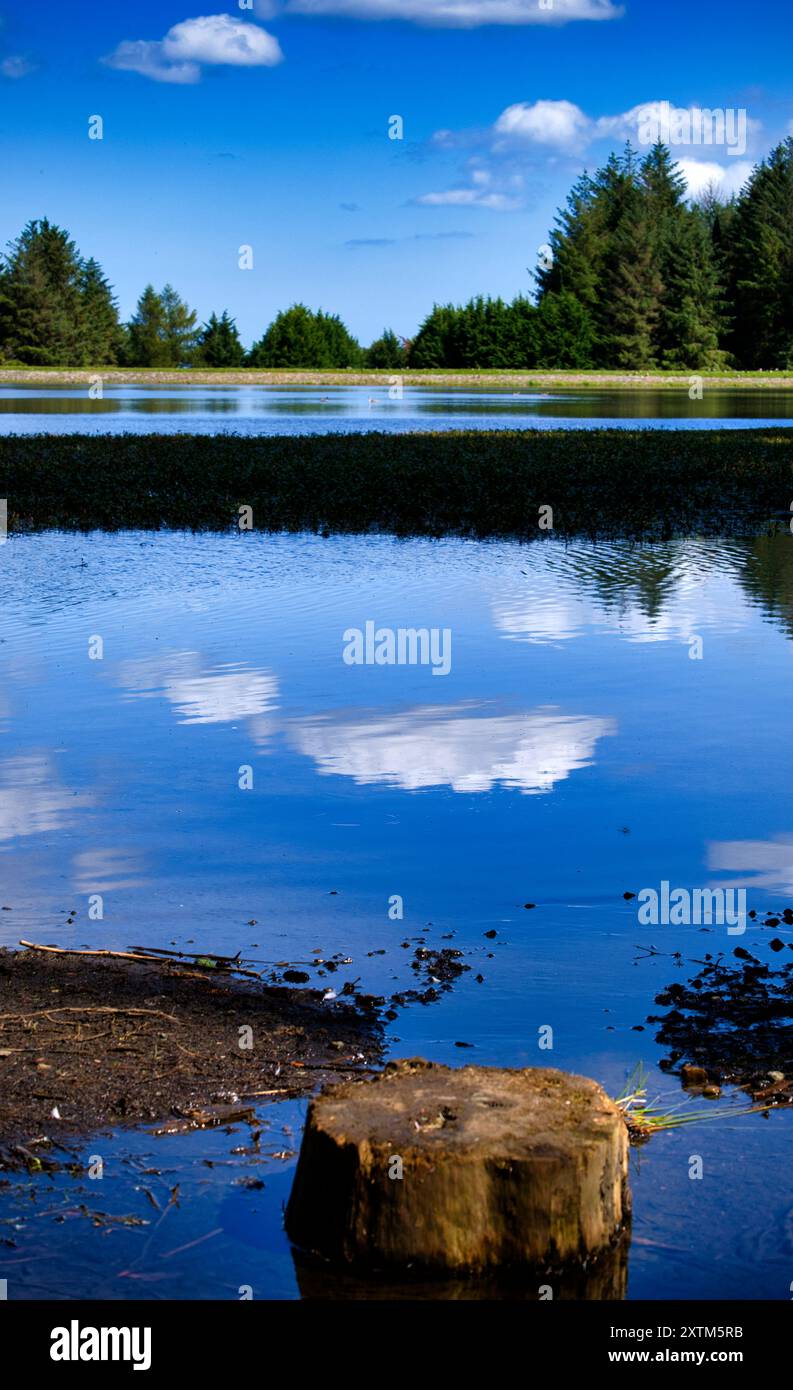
{"x": 441, "y": 969}
{"x": 732, "y": 1023}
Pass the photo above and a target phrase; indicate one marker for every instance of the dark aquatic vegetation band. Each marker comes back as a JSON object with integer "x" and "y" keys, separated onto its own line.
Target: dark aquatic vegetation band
{"x": 528, "y": 484}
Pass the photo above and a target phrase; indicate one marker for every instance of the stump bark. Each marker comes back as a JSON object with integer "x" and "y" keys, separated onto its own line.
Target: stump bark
{"x": 498, "y": 1168}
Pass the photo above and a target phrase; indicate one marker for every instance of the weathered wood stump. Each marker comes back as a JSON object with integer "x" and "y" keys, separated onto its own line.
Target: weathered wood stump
{"x": 455, "y": 1170}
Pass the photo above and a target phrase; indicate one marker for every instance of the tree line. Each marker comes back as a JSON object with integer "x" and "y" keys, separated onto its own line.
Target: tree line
{"x": 635, "y": 277}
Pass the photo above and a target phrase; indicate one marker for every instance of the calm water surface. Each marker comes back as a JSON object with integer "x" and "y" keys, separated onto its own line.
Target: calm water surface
{"x": 340, "y": 409}
{"x": 573, "y": 752}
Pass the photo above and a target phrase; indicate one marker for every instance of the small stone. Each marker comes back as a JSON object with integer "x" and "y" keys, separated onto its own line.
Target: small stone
{"x": 693, "y": 1076}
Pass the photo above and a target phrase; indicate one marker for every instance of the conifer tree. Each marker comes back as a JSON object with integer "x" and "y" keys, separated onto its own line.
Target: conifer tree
{"x": 339, "y": 348}
{"x": 387, "y": 353}
{"x": 219, "y": 343}
{"x": 630, "y": 309}
{"x": 147, "y": 341}
{"x": 181, "y": 334}
{"x": 162, "y": 331}
{"x": 693, "y": 299}
{"x": 40, "y": 304}
{"x": 100, "y": 330}
{"x": 564, "y": 333}
{"x": 298, "y": 337}
{"x": 433, "y": 344}
{"x": 761, "y": 264}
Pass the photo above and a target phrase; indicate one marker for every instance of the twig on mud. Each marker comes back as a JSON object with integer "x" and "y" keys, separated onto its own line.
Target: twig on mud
{"x": 284, "y": 1091}
{"x": 88, "y": 1009}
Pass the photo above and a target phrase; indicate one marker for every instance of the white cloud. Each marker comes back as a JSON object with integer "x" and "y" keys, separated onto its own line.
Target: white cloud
{"x": 482, "y": 192}
{"x": 469, "y": 198}
{"x": 559, "y": 124}
{"x": 15, "y": 66}
{"x": 682, "y": 127}
{"x": 148, "y": 59}
{"x": 454, "y": 747}
{"x": 558, "y": 128}
{"x": 701, "y": 174}
{"x": 209, "y": 40}
{"x": 452, "y": 14}
{"x": 565, "y": 126}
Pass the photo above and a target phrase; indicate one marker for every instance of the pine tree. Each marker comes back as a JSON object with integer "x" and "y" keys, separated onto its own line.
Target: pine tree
{"x": 693, "y": 299}
{"x": 300, "y": 338}
{"x": 521, "y": 335}
{"x": 147, "y": 341}
{"x": 181, "y": 334}
{"x": 565, "y": 333}
{"x": 578, "y": 246}
{"x": 690, "y": 319}
{"x": 291, "y": 341}
{"x": 630, "y": 310}
{"x": 433, "y": 344}
{"x": 100, "y": 329}
{"x": 40, "y": 304}
{"x": 761, "y": 264}
{"x": 219, "y": 343}
{"x": 387, "y": 353}
{"x": 340, "y": 349}
{"x": 664, "y": 187}
{"x": 162, "y": 331}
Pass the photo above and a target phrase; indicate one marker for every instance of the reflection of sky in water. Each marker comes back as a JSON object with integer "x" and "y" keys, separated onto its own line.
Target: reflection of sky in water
{"x": 278, "y": 410}
{"x": 433, "y": 748}
{"x": 764, "y": 863}
{"x": 32, "y": 802}
{"x": 571, "y": 676}
{"x": 224, "y": 695}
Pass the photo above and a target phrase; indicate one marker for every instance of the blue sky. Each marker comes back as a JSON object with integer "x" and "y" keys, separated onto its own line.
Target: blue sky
{"x": 268, "y": 126}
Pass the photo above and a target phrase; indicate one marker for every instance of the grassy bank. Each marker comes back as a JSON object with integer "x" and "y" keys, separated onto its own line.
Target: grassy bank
{"x": 617, "y": 482}
{"x": 438, "y": 377}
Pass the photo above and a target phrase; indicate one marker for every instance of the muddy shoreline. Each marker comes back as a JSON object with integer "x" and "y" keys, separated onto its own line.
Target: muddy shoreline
{"x": 89, "y": 1043}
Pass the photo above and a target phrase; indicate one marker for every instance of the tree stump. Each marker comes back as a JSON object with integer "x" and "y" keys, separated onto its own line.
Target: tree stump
{"x": 461, "y": 1170}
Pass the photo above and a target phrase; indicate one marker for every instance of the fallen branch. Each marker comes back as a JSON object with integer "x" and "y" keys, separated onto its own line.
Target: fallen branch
{"x": 159, "y": 958}
{"x": 66, "y": 951}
